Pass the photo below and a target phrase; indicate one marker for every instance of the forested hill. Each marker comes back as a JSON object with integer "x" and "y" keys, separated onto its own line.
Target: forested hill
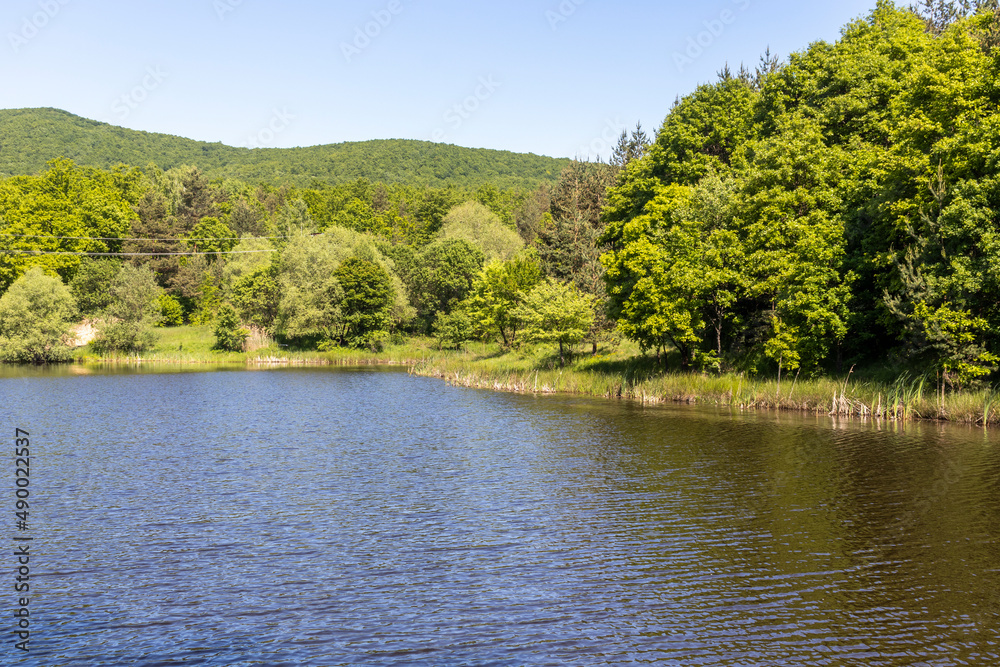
{"x": 31, "y": 137}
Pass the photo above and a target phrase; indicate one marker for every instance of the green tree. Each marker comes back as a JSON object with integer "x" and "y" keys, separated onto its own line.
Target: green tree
{"x": 367, "y": 302}
{"x": 91, "y": 285}
{"x": 555, "y": 312}
{"x": 64, "y": 210}
{"x": 453, "y": 329}
{"x": 444, "y": 273}
{"x": 476, "y": 224}
{"x": 257, "y": 297}
{"x": 212, "y": 235}
{"x": 171, "y": 311}
{"x": 498, "y": 291}
{"x": 793, "y": 226}
{"x": 35, "y": 317}
{"x": 307, "y": 264}
{"x": 655, "y": 277}
{"x": 230, "y": 336}
{"x": 134, "y": 308}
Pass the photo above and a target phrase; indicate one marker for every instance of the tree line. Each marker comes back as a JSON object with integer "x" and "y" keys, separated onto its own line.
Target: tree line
{"x": 842, "y": 205}
{"x": 837, "y": 207}
{"x": 349, "y": 265}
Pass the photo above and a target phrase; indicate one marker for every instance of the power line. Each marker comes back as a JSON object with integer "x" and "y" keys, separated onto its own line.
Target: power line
{"x": 130, "y": 254}
{"x": 115, "y": 238}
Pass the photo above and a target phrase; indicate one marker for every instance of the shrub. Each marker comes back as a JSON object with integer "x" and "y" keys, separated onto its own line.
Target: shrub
{"x": 35, "y": 316}
{"x": 229, "y": 334}
{"x": 171, "y": 311}
{"x": 135, "y": 303}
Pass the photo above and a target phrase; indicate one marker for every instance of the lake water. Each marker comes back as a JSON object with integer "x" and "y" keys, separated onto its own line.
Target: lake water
{"x": 340, "y": 517}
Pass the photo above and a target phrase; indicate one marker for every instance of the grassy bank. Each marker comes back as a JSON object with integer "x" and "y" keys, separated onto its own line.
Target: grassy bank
{"x": 193, "y": 345}
{"x": 620, "y": 373}
{"x": 626, "y": 374}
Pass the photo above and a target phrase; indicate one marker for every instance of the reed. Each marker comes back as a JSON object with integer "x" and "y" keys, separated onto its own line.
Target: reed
{"x": 637, "y": 378}
{"x": 623, "y": 373}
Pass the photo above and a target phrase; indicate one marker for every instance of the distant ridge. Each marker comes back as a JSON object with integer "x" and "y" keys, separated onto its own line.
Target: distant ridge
{"x": 31, "y": 137}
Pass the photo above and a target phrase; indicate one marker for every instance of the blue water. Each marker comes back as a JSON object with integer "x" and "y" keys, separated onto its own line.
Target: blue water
{"x": 338, "y": 517}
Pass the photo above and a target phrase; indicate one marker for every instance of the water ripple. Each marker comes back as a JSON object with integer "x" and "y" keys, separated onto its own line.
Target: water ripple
{"x": 325, "y": 517}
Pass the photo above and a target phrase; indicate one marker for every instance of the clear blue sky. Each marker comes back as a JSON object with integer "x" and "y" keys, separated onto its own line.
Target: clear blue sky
{"x": 552, "y": 77}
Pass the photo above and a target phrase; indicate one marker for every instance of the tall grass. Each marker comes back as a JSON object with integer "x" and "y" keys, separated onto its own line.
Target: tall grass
{"x": 907, "y": 397}
{"x": 622, "y": 374}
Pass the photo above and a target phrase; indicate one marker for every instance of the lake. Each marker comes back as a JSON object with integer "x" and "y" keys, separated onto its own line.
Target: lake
{"x": 369, "y": 517}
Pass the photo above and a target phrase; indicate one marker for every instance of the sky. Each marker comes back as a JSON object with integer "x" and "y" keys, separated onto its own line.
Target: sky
{"x": 553, "y": 77}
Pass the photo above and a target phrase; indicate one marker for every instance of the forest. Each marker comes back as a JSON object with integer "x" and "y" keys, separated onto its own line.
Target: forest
{"x": 838, "y": 207}
{"x": 33, "y": 137}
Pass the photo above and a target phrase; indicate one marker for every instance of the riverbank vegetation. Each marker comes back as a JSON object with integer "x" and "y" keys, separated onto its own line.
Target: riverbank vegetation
{"x": 788, "y": 223}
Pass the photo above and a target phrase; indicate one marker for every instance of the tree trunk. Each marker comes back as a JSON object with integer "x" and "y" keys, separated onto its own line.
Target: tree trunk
{"x": 560, "y": 354}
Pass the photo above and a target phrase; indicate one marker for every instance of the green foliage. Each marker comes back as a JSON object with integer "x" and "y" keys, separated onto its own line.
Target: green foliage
{"x": 171, "y": 311}
{"x": 257, "y": 297}
{"x": 294, "y": 219}
{"x": 135, "y": 305}
{"x": 309, "y": 263}
{"x": 498, "y": 291}
{"x": 443, "y": 275}
{"x": 367, "y": 302}
{"x": 844, "y": 202}
{"x": 63, "y": 201}
{"x": 654, "y": 275}
{"x": 208, "y": 300}
{"x": 35, "y": 316}
{"x": 91, "y": 285}
{"x": 476, "y": 224}
{"x": 212, "y": 235}
{"x": 453, "y": 329}
{"x": 555, "y": 312}
{"x": 33, "y": 136}
{"x": 230, "y": 336}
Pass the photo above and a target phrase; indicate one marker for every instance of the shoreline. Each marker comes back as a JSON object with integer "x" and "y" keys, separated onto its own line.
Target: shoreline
{"x": 621, "y": 373}
{"x": 897, "y": 402}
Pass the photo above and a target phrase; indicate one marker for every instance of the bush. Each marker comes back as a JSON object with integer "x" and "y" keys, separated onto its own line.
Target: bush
{"x": 35, "y": 316}
{"x": 171, "y": 312}
{"x": 453, "y": 329}
{"x": 91, "y": 286}
{"x": 229, "y": 335}
{"x": 135, "y": 303}
{"x": 121, "y": 336}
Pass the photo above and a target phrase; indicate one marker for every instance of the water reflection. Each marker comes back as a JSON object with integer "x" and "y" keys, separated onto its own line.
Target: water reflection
{"x": 319, "y": 516}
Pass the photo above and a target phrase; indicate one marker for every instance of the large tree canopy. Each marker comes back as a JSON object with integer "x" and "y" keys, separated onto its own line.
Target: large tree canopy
{"x": 842, "y": 203}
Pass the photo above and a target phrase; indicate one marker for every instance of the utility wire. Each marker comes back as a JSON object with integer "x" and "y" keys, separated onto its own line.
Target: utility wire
{"x": 115, "y": 238}
{"x": 129, "y": 254}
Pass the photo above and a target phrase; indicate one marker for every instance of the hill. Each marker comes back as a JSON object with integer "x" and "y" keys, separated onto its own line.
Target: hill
{"x": 31, "y": 137}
